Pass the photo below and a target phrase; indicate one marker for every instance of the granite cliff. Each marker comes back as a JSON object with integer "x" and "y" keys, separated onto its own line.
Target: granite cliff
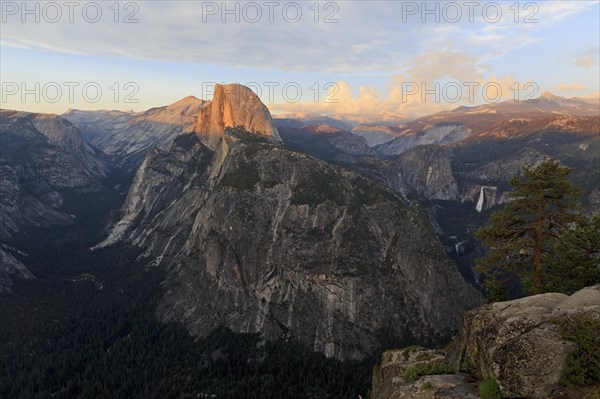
{"x": 234, "y": 105}
{"x": 263, "y": 239}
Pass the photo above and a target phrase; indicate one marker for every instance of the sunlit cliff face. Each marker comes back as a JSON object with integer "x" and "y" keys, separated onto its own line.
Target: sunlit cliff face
{"x": 234, "y": 105}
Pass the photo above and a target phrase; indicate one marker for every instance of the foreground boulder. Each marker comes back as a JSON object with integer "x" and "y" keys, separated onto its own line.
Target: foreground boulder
{"x": 399, "y": 376}
{"x": 527, "y": 348}
{"x": 519, "y": 343}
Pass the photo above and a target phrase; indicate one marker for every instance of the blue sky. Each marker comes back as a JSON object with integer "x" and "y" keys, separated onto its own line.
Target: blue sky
{"x": 368, "y": 54}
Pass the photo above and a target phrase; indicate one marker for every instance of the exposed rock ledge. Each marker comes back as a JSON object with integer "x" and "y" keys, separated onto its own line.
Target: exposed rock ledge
{"x": 518, "y": 343}
{"x": 389, "y": 380}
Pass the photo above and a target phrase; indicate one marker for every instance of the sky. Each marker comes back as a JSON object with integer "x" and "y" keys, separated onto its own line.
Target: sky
{"x": 393, "y": 59}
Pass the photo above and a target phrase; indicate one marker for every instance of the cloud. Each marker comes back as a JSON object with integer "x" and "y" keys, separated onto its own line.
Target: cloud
{"x": 520, "y": 26}
{"x": 351, "y": 50}
{"x": 340, "y": 101}
{"x": 585, "y": 62}
{"x": 189, "y": 32}
{"x": 186, "y": 31}
{"x": 570, "y": 87}
{"x": 444, "y": 64}
{"x": 436, "y": 82}
{"x": 593, "y": 96}
{"x": 586, "y": 57}
{"x": 555, "y": 11}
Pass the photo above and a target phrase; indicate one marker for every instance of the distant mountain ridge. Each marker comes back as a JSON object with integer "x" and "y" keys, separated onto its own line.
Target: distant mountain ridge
{"x": 42, "y": 158}
{"x": 561, "y": 123}
{"x": 484, "y": 116}
{"x": 127, "y": 136}
{"x": 303, "y": 120}
{"x": 469, "y": 122}
{"x": 327, "y": 142}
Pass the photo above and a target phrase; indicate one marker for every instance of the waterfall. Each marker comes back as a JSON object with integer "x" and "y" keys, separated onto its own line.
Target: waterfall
{"x": 479, "y": 206}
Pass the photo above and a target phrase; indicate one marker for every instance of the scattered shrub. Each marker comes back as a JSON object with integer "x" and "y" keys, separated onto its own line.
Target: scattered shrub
{"x": 419, "y": 370}
{"x": 583, "y": 365}
{"x": 406, "y": 354}
{"x": 489, "y": 389}
{"x": 423, "y": 356}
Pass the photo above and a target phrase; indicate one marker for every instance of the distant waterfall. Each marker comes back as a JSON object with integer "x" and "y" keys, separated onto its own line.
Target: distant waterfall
{"x": 479, "y": 206}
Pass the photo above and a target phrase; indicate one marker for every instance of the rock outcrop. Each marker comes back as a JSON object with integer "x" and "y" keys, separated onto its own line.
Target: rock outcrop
{"x": 234, "y": 105}
{"x": 423, "y": 172}
{"x": 10, "y": 268}
{"x": 504, "y": 168}
{"x": 392, "y": 377}
{"x": 519, "y": 342}
{"x": 428, "y": 171}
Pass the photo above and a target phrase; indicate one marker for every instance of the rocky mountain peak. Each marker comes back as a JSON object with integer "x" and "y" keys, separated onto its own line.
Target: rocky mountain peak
{"x": 548, "y": 95}
{"x": 57, "y": 130}
{"x": 181, "y": 113}
{"x": 185, "y": 104}
{"x": 551, "y": 98}
{"x": 323, "y": 128}
{"x": 234, "y": 105}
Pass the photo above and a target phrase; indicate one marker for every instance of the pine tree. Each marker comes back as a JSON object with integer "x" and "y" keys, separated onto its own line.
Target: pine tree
{"x": 576, "y": 263}
{"x": 524, "y": 233}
